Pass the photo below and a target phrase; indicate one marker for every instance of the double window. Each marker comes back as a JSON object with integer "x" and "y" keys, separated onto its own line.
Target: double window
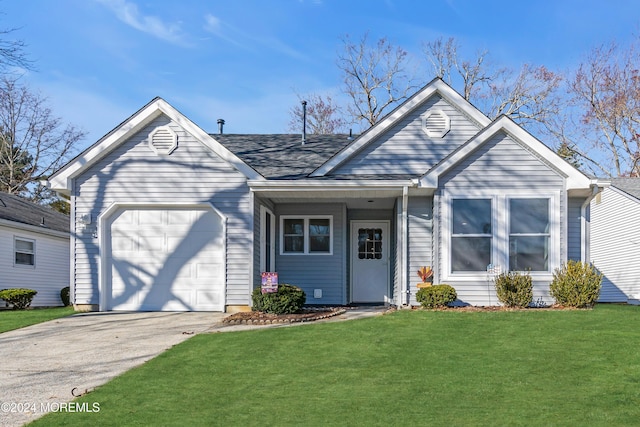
{"x": 512, "y": 232}
{"x": 25, "y": 251}
{"x": 300, "y": 235}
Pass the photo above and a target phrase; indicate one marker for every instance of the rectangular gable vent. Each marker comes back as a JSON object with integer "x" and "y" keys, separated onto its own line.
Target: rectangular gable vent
{"x": 163, "y": 140}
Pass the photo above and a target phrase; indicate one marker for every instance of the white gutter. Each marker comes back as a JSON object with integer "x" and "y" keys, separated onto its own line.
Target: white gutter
{"x": 585, "y": 235}
{"x": 404, "y": 290}
{"x": 327, "y": 185}
{"x": 34, "y": 228}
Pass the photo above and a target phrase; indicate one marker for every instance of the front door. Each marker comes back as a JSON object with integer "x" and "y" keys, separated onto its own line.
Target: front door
{"x": 370, "y": 261}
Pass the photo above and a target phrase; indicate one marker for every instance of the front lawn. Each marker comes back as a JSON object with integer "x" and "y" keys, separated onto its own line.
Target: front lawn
{"x": 579, "y": 367}
{"x": 15, "y": 319}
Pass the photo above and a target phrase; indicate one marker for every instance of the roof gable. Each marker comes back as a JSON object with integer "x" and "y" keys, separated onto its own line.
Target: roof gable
{"x": 436, "y": 86}
{"x": 61, "y": 180}
{"x": 23, "y": 212}
{"x": 574, "y": 178}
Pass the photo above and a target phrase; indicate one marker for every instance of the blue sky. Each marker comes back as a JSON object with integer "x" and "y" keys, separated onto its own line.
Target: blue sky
{"x": 99, "y": 61}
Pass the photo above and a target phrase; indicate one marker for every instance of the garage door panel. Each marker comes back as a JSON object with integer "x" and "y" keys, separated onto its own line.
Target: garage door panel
{"x": 171, "y": 259}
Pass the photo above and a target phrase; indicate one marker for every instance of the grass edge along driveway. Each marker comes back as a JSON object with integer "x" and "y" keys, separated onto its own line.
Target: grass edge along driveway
{"x": 16, "y": 319}
{"x": 574, "y": 367}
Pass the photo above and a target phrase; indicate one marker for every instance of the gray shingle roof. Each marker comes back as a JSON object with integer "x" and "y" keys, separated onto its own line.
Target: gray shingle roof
{"x": 628, "y": 185}
{"x": 283, "y": 156}
{"x": 17, "y": 209}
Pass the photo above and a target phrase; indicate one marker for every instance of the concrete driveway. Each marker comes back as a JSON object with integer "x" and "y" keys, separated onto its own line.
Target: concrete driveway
{"x": 44, "y": 365}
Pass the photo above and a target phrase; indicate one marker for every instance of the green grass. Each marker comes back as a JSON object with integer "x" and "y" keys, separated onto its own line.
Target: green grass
{"x": 15, "y": 319}
{"x": 579, "y": 367}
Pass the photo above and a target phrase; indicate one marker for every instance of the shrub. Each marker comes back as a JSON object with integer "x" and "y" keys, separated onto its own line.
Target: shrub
{"x": 64, "y": 296}
{"x": 576, "y": 284}
{"x": 288, "y": 299}
{"x": 20, "y": 298}
{"x": 436, "y": 296}
{"x": 514, "y": 289}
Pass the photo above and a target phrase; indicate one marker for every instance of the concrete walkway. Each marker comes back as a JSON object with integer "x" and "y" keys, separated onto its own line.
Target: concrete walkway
{"x": 48, "y": 364}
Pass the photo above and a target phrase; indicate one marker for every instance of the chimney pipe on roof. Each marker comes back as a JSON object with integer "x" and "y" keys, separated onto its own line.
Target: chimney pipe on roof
{"x": 220, "y": 125}
{"x": 304, "y": 122}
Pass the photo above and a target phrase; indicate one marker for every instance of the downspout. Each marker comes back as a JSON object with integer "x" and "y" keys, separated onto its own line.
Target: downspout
{"x": 405, "y": 245}
{"x": 585, "y": 235}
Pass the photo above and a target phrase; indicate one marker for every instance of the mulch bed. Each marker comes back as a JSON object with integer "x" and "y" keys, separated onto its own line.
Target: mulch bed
{"x": 260, "y": 318}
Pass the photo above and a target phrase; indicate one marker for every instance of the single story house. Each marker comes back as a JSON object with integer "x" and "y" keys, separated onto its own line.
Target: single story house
{"x": 615, "y": 240}
{"x": 168, "y": 217}
{"x": 34, "y": 249}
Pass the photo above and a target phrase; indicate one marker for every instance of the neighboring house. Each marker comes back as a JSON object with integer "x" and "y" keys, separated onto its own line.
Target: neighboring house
{"x": 168, "y": 217}
{"x": 615, "y": 240}
{"x": 34, "y": 249}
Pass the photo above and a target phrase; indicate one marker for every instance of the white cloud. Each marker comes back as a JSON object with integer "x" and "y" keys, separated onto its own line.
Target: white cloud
{"x": 128, "y": 13}
{"x": 217, "y": 27}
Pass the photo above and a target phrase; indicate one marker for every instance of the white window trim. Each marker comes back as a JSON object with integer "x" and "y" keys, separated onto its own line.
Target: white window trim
{"x": 306, "y": 219}
{"x": 500, "y": 231}
{"x": 263, "y": 239}
{"x": 15, "y": 251}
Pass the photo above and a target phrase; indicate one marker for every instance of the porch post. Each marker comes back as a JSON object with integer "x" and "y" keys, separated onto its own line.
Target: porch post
{"x": 405, "y": 248}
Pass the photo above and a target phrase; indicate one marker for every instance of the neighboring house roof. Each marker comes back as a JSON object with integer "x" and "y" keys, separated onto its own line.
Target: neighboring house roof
{"x": 19, "y": 210}
{"x": 630, "y": 186}
{"x": 283, "y": 156}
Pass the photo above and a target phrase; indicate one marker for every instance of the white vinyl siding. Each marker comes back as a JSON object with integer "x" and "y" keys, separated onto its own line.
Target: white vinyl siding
{"x": 407, "y": 149}
{"x": 50, "y": 273}
{"x": 132, "y": 173}
{"x": 615, "y": 244}
{"x": 420, "y": 224}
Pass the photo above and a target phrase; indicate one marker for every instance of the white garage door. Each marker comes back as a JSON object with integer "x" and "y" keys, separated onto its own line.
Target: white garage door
{"x": 166, "y": 260}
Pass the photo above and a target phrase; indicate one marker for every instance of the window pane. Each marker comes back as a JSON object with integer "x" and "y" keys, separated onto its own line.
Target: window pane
{"x": 472, "y": 216}
{"x": 24, "y": 246}
{"x": 319, "y": 227}
{"x": 370, "y": 243}
{"x": 293, "y": 244}
{"x": 529, "y": 216}
{"x": 319, "y": 244}
{"x": 470, "y": 253}
{"x": 24, "y": 259}
{"x": 529, "y": 253}
{"x": 294, "y": 226}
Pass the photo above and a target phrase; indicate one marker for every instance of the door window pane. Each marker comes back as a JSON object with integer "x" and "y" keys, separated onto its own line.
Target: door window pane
{"x": 370, "y": 243}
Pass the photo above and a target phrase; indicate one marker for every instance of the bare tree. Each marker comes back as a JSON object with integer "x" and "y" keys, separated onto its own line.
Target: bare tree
{"x": 606, "y": 110}
{"x": 375, "y": 78}
{"x": 324, "y": 115}
{"x": 529, "y": 97}
{"x": 12, "y": 52}
{"x": 33, "y": 142}
{"x": 469, "y": 75}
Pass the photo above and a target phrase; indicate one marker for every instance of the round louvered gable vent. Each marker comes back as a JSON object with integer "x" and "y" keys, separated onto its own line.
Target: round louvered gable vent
{"x": 436, "y": 123}
{"x": 163, "y": 140}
